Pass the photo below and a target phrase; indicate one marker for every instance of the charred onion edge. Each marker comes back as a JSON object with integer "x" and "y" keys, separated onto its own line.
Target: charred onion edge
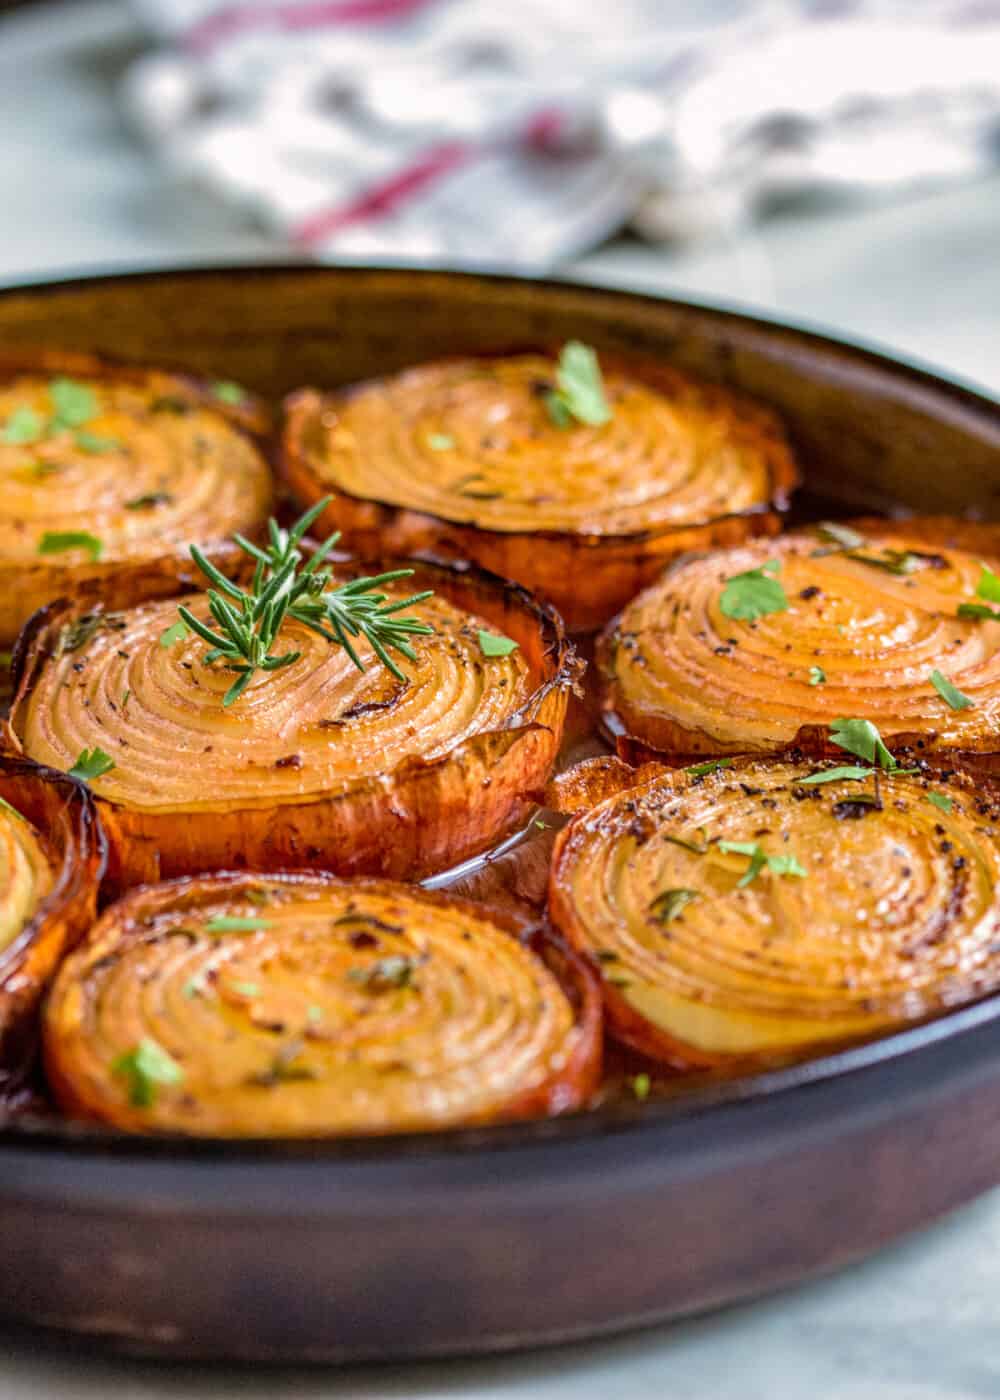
{"x": 137, "y": 838}
{"x": 572, "y": 1088}
{"x": 63, "y": 812}
{"x": 124, "y": 582}
{"x": 639, "y": 555}
{"x": 607, "y": 779}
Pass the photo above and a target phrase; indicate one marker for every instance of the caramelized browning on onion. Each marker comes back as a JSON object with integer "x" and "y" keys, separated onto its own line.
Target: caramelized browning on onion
{"x": 159, "y": 463}
{"x": 51, "y": 859}
{"x": 857, "y": 639}
{"x": 317, "y": 763}
{"x": 463, "y": 455}
{"x": 894, "y": 920}
{"x": 304, "y": 1006}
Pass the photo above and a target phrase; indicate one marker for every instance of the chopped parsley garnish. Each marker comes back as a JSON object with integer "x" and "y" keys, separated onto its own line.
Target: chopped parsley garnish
{"x": 759, "y": 858}
{"x": 245, "y": 989}
{"x": 59, "y": 541}
{"x": 228, "y": 392}
{"x": 840, "y": 535}
{"x": 440, "y": 442}
{"x": 91, "y": 442}
{"x": 176, "y": 633}
{"x": 754, "y": 593}
{"x": 666, "y": 906}
{"x": 235, "y": 923}
{"x": 950, "y": 693}
{"x": 74, "y": 404}
{"x": 395, "y": 971}
{"x": 579, "y": 391}
{"x": 850, "y": 542}
{"x": 988, "y": 588}
{"x": 939, "y": 800}
{"x": 861, "y": 737}
{"x": 640, "y": 1086}
{"x": 146, "y": 1068}
{"x": 491, "y": 644}
{"x": 836, "y": 775}
{"x": 817, "y": 676}
{"x": 90, "y": 764}
{"x": 23, "y": 426}
{"x": 699, "y": 770}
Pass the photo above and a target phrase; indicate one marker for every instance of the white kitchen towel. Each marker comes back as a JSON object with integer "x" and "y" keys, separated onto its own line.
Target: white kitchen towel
{"x": 517, "y": 133}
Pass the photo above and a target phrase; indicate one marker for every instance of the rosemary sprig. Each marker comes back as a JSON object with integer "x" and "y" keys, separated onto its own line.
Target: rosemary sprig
{"x": 247, "y": 624}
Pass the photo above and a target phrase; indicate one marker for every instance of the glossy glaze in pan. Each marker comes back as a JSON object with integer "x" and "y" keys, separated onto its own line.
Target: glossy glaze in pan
{"x": 501, "y": 1238}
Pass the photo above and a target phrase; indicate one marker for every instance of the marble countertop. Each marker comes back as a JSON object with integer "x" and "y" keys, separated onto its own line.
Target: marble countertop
{"x": 922, "y": 1320}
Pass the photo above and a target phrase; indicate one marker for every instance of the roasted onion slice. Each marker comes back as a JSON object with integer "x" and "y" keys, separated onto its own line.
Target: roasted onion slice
{"x": 318, "y": 764}
{"x": 463, "y": 456}
{"x": 871, "y": 632}
{"x": 850, "y": 909}
{"x": 110, "y": 472}
{"x": 256, "y": 1006}
{"x": 51, "y": 861}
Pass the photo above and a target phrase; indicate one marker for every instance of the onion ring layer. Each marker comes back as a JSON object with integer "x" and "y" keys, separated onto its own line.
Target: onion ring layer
{"x": 317, "y": 764}
{"x": 157, "y": 463}
{"x": 894, "y": 919}
{"x": 304, "y": 1006}
{"x": 51, "y": 861}
{"x": 463, "y": 456}
{"x": 856, "y": 639}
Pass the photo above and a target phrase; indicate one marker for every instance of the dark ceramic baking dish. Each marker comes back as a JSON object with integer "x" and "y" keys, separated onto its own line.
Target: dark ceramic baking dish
{"x": 491, "y": 1239}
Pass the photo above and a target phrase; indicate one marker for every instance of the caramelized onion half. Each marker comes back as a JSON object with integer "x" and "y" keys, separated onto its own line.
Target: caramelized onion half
{"x": 856, "y": 641}
{"x": 317, "y": 764}
{"x": 51, "y": 861}
{"x": 894, "y": 921}
{"x": 114, "y": 503}
{"x": 462, "y": 456}
{"x": 331, "y": 1007}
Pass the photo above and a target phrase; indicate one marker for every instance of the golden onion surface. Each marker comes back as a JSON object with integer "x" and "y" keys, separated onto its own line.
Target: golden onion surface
{"x": 856, "y": 640}
{"x": 157, "y": 465}
{"x": 307, "y": 1006}
{"x": 875, "y": 904}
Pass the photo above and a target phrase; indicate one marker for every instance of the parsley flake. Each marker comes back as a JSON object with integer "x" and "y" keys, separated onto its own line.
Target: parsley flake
{"x": 861, "y": 737}
{"x": 90, "y": 764}
{"x": 23, "y": 426}
{"x": 580, "y": 391}
{"x": 836, "y": 775}
{"x": 228, "y": 392}
{"x": 666, "y": 906}
{"x": 640, "y": 1086}
{"x": 758, "y": 858}
{"x": 491, "y": 644}
{"x": 59, "y": 541}
{"x": 395, "y": 971}
{"x": 817, "y": 676}
{"x": 176, "y": 633}
{"x": 92, "y": 442}
{"x": 440, "y": 442}
{"x": 950, "y": 693}
{"x": 840, "y": 535}
{"x": 988, "y": 588}
{"x": 74, "y": 404}
{"x": 235, "y": 923}
{"x": 699, "y": 770}
{"x": 146, "y": 1067}
{"x": 940, "y": 801}
{"x": 754, "y": 593}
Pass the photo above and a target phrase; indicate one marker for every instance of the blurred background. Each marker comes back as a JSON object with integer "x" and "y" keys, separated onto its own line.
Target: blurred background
{"x": 829, "y": 161}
